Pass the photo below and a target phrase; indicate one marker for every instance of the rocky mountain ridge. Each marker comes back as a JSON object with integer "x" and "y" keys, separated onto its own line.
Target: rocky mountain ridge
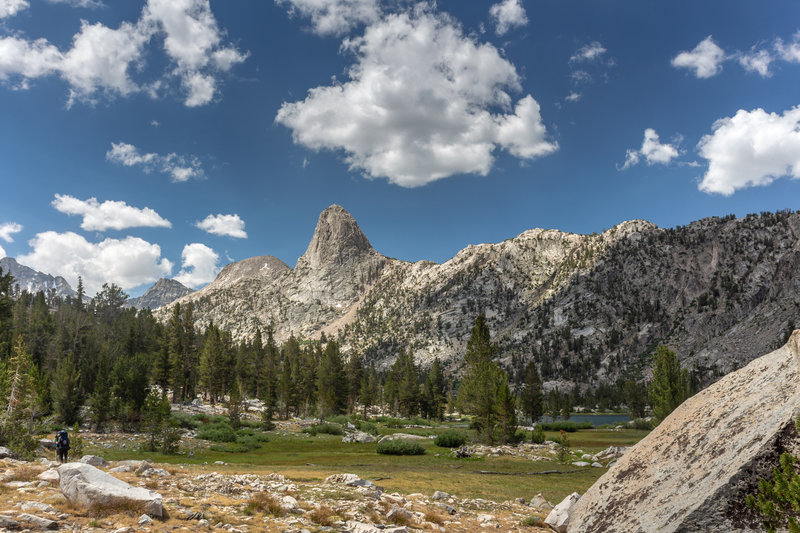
{"x": 33, "y": 281}
{"x": 588, "y": 308}
{"x": 163, "y": 292}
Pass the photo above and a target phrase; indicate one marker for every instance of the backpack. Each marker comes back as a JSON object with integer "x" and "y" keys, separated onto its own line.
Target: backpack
{"x": 63, "y": 440}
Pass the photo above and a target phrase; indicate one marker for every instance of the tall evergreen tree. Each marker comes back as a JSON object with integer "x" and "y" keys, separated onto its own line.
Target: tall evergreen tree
{"x": 531, "y": 396}
{"x": 331, "y": 382}
{"x": 670, "y": 385}
{"x": 355, "y": 374}
{"x": 434, "y": 391}
{"x": 66, "y": 393}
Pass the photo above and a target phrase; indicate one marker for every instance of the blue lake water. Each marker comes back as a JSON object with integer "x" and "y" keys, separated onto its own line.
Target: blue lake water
{"x": 596, "y": 420}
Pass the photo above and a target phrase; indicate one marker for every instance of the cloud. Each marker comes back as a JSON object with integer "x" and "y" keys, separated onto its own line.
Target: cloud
{"x": 706, "y": 59}
{"x": 2, "y": 252}
{"x": 652, "y": 150}
{"x": 180, "y": 167}
{"x": 757, "y": 61}
{"x": 9, "y": 8}
{"x": 573, "y": 97}
{"x": 225, "y": 225}
{"x": 508, "y": 14}
{"x": 101, "y": 60}
{"x": 789, "y": 52}
{"x": 200, "y": 265}
{"x": 109, "y": 214}
{"x": 749, "y": 149}
{"x": 334, "y": 17}
{"x": 128, "y": 262}
{"x": 422, "y": 102}
{"x": 90, "y": 4}
{"x": 9, "y": 228}
{"x": 588, "y": 52}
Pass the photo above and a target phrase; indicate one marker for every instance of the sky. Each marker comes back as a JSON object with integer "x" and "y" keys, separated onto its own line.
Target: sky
{"x": 168, "y": 138}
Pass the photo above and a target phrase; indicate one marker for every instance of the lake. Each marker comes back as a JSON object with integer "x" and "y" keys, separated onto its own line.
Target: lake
{"x": 595, "y": 420}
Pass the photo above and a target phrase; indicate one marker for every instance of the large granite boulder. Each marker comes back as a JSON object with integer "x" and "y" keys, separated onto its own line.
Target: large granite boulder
{"x": 694, "y": 471}
{"x": 87, "y": 486}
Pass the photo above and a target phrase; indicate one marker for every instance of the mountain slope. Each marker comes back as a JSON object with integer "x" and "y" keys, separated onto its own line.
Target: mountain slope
{"x": 587, "y": 307}
{"x": 163, "y": 292}
{"x": 33, "y": 281}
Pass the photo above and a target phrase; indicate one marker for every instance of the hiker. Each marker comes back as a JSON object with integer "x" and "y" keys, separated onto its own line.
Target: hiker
{"x": 62, "y": 445}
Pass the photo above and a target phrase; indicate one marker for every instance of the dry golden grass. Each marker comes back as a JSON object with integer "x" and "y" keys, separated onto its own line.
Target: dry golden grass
{"x": 322, "y": 515}
{"x": 264, "y": 502}
{"x": 22, "y": 473}
{"x": 435, "y": 517}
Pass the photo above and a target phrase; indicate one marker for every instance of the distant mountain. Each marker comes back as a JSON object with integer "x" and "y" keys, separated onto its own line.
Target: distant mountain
{"x": 587, "y": 308}
{"x": 33, "y": 281}
{"x": 163, "y": 292}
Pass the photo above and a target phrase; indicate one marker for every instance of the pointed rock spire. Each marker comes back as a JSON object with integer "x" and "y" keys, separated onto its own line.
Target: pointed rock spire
{"x": 337, "y": 239}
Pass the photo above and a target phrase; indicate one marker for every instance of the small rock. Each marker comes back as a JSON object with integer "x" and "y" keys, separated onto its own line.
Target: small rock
{"x": 6, "y": 522}
{"x": 520, "y": 501}
{"x": 38, "y": 506}
{"x": 540, "y": 502}
{"x": 288, "y": 503}
{"x": 144, "y": 519}
{"x": 439, "y": 495}
{"x": 124, "y": 530}
{"x": 144, "y": 467}
{"x": 462, "y": 452}
{"x": 558, "y": 518}
{"x": 398, "y": 512}
{"x": 449, "y": 508}
{"x": 121, "y": 469}
{"x": 37, "y": 521}
{"x": 49, "y": 475}
{"x": 597, "y": 465}
{"x": 580, "y": 463}
{"x": 94, "y": 460}
{"x": 359, "y": 437}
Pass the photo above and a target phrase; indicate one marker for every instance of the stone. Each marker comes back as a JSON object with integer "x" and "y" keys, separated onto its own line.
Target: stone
{"x": 449, "y": 508}
{"x": 398, "y": 512}
{"x": 693, "y": 471}
{"x": 540, "y": 502}
{"x": 38, "y": 506}
{"x": 49, "y": 475}
{"x": 47, "y": 444}
{"x": 288, "y": 503}
{"x": 559, "y": 517}
{"x": 37, "y": 522}
{"x": 462, "y": 452}
{"x": 439, "y": 495}
{"x": 580, "y": 463}
{"x": 358, "y": 437}
{"x": 144, "y": 520}
{"x": 351, "y": 480}
{"x": 5, "y": 452}
{"x": 88, "y": 486}
{"x": 124, "y": 530}
{"x": 597, "y": 465}
{"x": 94, "y": 460}
{"x": 142, "y": 468}
{"x": 6, "y": 522}
{"x": 122, "y": 469}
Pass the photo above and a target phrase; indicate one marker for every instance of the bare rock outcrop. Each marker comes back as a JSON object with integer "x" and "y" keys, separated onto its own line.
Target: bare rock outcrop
{"x": 694, "y": 471}
{"x": 87, "y": 486}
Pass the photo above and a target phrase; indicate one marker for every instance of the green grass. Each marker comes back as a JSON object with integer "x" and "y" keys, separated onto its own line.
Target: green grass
{"x": 301, "y": 457}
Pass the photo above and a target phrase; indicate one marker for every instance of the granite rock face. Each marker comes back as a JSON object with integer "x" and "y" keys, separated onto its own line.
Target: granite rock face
{"x": 163, "y": 292}
{"x": 694, "y": 471}
{"x": 87, "y": 486}
{"x": 33, "y": 281}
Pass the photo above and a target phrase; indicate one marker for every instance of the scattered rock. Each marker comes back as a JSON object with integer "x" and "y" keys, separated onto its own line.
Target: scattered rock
{"x": 540, "y": 502}
{"x": 439, "y": 495}
{"x": 351, "y": 480}
{"x": 6, "y": 522}
{"x": 38, "y": 506}
{"x": 88, "y": 486}
{"x": 398, "y": 512}
{"x": 124, "y": 530}
{"x": 143, "y": 468}
{"x": 580, "y": 463}
{"x": 359, "y": 527}
{"x": 559, "y": 517}
{"x": 462, "y": 452}
{"x": 94, "y": 460}
{"x": 358, "y": 436}
{"x": 693, "y": 472}
{"x": 37, "y": 522}
{"x": 5, "y": 452}
{"x": 144, "y": 519}
{"x": 49, "y": 475}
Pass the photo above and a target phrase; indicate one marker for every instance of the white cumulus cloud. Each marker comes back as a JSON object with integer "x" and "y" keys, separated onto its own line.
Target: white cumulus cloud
{"x": 9, "y": 8}
{"x": 7, "y": 229}
{"x": 588, "y": 52}
{"x": 749, "y": 149}
{"x": 705, "y": 60}
{"x": 423, "y": 102}
{"x": 2, "y": 252}
{"x": 128, "y": 262}
{"x": 225, "y": 225}
{"x": 90, "y": 4}
{"x": 109, "y": 214}
{"x": 180, "y": 167}
{"x": 199, "y": 265}
{"x": 653, "y": 151}
{"x": 508, "y": 14}
{"x": 102, "y": 60}
{"x": 757, "y": 61}
{"x": 334, "y": 17}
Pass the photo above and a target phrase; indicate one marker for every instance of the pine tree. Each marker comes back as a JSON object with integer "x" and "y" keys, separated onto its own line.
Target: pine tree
{"x": 434, "y": 391}
{"x": 331, "y": 382}
{"x": 482, "y": 381}
{"x": 235, "y": 405}
{"x": 355, "y": 374}
{"x": 670, "y": 385}
{"x": 66, "y": 393}
{"x": 369, "y": 390}
{"x": 531, "y": 396}
{"x": 6, "y": 316}
{"x": 407, "y": 376}
{"x": 506, "y": 414}
{"x": 211, "y": 369}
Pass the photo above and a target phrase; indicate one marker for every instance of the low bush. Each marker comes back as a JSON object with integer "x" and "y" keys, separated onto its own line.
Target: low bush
{"x": 217, "y": 432}
{"x": 394, "y": 423}
{"x": 641, "y": 423}
{"x": 537, "y": 435}
{"x": 451, "y": 438}
{"x": 338, "y": 419}
{"x": 326, "y": 428}
{"x": 367, "y": 427}
{"x": 186, "y": 421}
{"x": 399, "y": 447}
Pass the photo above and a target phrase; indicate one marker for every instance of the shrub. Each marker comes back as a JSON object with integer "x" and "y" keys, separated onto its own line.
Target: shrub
{"x": 417, "y": 421}
{"x": 266, "y": 503}
{"x": 217, "y": 432}
{"x": 395, "y": 423}
{"x": 186, "y": 421}
{"x": 537, "y": 436}
{"x": 367, "y": 427}
{"x": 451, "y": 438}
{"x": 399, "y": 447}
{"x": 338, "y": 419}
{"x": 563, "y": 447}
{"x": 533, "y": 521}
{"x": 326, "y": 428}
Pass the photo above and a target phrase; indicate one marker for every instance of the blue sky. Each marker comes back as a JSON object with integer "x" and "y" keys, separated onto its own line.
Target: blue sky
{"x": 167, "y": 138}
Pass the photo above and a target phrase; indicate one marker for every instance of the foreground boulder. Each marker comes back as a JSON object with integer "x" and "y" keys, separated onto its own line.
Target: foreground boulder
{"x": 88, "y": 486}
{"x": 558, "y": 518}
{"x": 694, "y": 471}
